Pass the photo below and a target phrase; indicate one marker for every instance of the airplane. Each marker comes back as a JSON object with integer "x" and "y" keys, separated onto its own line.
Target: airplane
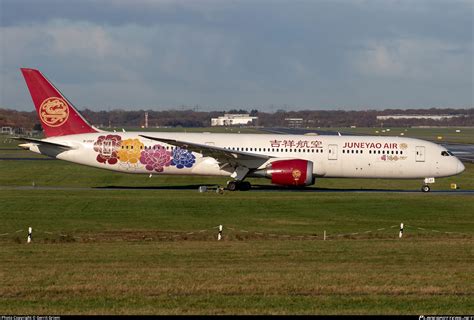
{"x": 288, "y": 160}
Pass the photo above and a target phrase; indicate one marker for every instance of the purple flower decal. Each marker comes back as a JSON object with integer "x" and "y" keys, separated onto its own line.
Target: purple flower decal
{"x": 155, "y": 158}
{"x": 182, "y": 158}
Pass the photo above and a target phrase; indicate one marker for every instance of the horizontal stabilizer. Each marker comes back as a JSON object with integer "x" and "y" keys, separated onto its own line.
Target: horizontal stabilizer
{"x": 43, "y": 142}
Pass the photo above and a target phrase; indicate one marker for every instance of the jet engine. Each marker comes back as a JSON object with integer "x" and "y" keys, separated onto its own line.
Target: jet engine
{"x": 289, "y": 172}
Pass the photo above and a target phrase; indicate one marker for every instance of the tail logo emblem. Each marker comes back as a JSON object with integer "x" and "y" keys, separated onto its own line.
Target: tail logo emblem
{"x": 54, "y": 111}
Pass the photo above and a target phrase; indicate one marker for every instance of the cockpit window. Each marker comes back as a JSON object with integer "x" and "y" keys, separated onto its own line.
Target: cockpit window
{"x": 446, "y": 153}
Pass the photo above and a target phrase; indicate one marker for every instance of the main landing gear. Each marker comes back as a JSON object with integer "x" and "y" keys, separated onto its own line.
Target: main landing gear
{"x": 238, "y": 185}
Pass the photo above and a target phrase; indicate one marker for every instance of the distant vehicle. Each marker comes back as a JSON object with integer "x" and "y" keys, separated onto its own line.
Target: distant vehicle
{"x": 288, "y": 160}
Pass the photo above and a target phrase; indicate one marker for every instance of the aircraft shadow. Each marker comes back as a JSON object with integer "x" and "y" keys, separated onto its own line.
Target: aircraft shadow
{"x": 317, "y": 189}
{"x": 179, "y": 187}
{"x": 255, "y": 187}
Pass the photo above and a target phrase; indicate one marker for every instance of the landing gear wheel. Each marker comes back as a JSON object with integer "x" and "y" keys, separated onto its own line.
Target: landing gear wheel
{"x": 245, "y": 186}
{"x": 425, "y": 188}
{"x": 232, "y": 185}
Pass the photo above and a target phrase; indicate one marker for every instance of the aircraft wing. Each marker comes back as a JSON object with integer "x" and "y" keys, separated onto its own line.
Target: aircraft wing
{"x": 42, "y": 142}
{"x": 222, "y": 155}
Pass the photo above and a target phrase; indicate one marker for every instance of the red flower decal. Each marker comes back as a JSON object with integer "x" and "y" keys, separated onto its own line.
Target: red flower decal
{"x": 107, "y": 147}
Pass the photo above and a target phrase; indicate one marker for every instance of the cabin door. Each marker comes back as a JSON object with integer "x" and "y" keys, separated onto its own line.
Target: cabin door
{"x": 332, "y": 152}
{"x": 420, "y": 154}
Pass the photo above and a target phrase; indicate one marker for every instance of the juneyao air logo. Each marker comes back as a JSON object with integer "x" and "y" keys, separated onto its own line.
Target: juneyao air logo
{"x": 296, "y": 174}
{"x": 54, "y": 111}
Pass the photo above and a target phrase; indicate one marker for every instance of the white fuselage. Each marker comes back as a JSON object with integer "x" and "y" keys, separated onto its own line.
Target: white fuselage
{"x": 332, "y": 156}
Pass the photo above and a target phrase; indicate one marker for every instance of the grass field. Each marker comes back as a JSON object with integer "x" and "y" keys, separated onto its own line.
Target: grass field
{"x": 150, "y": 250}
{"x": 116, "y": 252}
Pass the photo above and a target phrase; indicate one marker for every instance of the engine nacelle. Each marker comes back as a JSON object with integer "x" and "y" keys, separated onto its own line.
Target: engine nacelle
{"x": 290, "y": 172}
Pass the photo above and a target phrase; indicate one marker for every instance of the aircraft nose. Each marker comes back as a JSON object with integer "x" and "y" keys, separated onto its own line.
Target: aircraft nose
{"x": 460, "y": 167}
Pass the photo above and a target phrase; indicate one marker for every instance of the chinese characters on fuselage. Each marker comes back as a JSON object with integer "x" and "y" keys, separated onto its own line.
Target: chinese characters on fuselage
{"x": 299, "y": 144}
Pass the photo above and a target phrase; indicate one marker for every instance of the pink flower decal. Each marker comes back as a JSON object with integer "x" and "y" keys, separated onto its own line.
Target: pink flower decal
{"x": 107, "y": 147}
{"x": 155, "y": 158}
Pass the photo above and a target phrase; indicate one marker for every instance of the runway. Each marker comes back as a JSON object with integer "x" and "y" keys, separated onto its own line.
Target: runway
{"x": 255, "y": 188}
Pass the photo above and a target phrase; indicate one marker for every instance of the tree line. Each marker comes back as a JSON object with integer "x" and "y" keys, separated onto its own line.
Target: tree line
{"x": 191, "y": 118}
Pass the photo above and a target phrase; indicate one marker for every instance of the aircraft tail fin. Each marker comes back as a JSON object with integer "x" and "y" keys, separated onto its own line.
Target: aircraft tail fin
{"x": 57, "y": 115}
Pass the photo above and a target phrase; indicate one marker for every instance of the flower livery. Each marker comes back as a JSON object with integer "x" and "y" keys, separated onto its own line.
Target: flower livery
{"x": 107, "y": 147}
{"x": 132, "y": 153}
{"x": 129, "y": 152}
{"x": 182, "y": 158}
{"x": 155, "y": 158}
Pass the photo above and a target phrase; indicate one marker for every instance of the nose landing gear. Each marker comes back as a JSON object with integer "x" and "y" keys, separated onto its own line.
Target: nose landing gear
{"x": 426, "y": 187}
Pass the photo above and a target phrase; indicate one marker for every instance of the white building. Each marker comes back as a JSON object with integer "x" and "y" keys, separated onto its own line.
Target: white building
{"x": 7, "y": 130}
{"x": 233, "y": 120}
{"x": 294, "y": 122}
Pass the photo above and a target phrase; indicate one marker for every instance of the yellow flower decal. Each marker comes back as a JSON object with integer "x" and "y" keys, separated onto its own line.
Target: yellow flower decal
{"x": 130, "y": 151}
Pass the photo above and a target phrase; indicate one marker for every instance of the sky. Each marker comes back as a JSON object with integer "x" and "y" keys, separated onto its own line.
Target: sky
{"x": 222, "y": 54}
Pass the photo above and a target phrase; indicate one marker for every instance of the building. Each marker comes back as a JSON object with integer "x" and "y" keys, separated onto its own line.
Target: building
{"x": 7, "y": 130}
{"x": 419, "y": 116}
{"x": 294, "y": 122}
{"x": 233, "y": 120}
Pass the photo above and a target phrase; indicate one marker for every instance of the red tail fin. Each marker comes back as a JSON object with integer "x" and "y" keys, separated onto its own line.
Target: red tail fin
{"x": 58, "y": 116}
